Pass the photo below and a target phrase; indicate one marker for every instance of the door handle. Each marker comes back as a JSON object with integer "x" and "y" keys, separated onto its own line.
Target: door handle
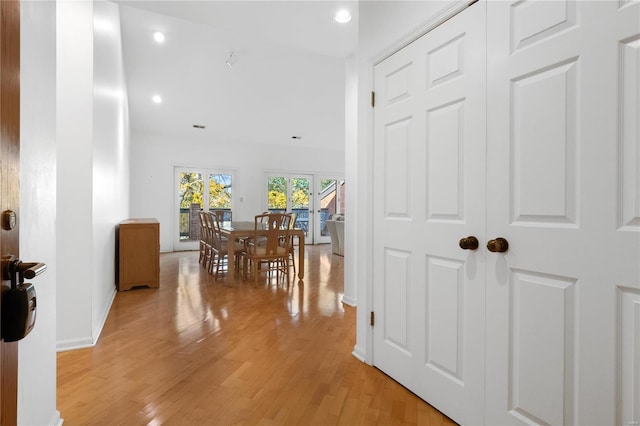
{"x": 32, "y": 269}
{"x": 469, "y": 243}
{"x": 499, "y": 245}
{"x": 15, "y": 269}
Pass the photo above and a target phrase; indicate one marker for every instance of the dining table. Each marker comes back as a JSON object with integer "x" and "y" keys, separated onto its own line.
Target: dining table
{"x": 238, "y": 230}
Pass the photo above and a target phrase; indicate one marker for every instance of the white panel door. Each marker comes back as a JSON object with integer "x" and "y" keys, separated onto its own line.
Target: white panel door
{"x": 563, "y": 178}
{"x": 429, "y": 192}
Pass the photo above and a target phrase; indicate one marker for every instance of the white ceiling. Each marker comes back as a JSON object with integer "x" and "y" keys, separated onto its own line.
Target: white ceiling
{"x": 306, "y": 24}
{"x": 189, "y": 68}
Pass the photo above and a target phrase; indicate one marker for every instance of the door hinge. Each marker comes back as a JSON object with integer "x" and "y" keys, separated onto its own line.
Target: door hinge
{"x": 373, "y": 99}
{"x": 372, "y": 319}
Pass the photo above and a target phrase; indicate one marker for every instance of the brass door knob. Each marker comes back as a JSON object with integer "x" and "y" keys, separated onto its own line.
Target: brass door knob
{"x": 499, "y": 245}
{"x": 469, "y": 243}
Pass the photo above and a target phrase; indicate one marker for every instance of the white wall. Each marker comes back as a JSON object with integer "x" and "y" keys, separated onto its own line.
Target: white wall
{"x": 110, "y": 154}
{"x": 37, "y": 352}
{"x": 385, "y": 26}
{"x": 92, "y": 133}
{"x": 350, "y": 295}
{"x": 74, "y": 180}
{"x": 153, "y": 157}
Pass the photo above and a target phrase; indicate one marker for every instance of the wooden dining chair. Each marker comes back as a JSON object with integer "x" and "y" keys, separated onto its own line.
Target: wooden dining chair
{"x": 223, "y": 215}
{"x": 269, "y": 246}
{"x": 220, "y": 248}
{"x": 205, "y": 239}
{"x": 291, "y": 248}
{"x": 202, "y": 238}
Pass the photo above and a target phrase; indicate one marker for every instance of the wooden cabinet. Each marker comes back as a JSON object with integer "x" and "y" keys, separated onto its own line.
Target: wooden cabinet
{"x": 138, "y": 253}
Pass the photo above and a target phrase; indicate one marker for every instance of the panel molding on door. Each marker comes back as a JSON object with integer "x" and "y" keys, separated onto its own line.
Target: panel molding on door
{"x": 562, "y": 195}
{"x": 628, "y": 135}
{"x": 555, "y": 305}
{"x": 429, "y": 161}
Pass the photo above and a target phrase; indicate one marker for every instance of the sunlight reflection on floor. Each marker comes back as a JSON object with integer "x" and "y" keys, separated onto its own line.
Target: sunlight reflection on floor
{"x": 202, "y": 309}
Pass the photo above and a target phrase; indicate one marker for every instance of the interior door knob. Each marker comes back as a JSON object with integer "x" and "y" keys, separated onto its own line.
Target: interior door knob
{"x": 499, "y": 245}
{"x": 469, "y": 243}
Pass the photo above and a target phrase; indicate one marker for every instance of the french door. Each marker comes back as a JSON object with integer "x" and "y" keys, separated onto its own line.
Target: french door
{"x": 292, "y": 193}
{"x": 196, "y": 189}
{"x": 539, "y": 161}
{"x": 330, "y": 200}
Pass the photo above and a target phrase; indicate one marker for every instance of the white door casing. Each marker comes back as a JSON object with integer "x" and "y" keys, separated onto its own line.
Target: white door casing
{"x": 563, "y": 178}
{"x": 429, "y": 192}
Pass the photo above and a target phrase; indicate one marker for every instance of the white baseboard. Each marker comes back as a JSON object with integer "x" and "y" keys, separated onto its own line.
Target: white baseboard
{"x": 89, "y": 341}
{"x": 73, "y": 344}
{"x": 349, "y": 301}
{"x": 98, "y": 330}
{"x": 358, "y": 354}
{"x": 56, "y": 420}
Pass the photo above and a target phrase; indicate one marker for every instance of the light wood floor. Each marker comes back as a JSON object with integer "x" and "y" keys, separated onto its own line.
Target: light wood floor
{"x": 203, "y": 352}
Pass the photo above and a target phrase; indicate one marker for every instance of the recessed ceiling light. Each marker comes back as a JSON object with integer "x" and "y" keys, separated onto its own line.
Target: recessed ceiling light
{"x": 342, "y": 17}
{"x": 158, "y": 37}
{"x": 157, "y": 99}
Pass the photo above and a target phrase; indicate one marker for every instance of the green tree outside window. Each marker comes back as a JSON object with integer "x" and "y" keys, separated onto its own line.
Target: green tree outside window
{"x": 191, "y": 189}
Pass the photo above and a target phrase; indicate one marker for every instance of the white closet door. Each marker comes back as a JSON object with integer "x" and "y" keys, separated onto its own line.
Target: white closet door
{"x": 429, "y": 192}
{"x": 563, "y": 303}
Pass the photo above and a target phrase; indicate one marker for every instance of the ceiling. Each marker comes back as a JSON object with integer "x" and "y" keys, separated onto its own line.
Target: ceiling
{"x": 306, "y": 24}
{"x": 189, "y": 68}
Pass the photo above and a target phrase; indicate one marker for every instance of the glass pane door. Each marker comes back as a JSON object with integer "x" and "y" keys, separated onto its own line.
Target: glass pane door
{"x": 190, "y": 202}
{"x": 300, "y": 202}
{"x": 196, "y": 188}
{"x": 331, "y": 198}
{"x": 277, "y": 193}
{"x": 220, "y": 194}
{"x": 292, "y": 193}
